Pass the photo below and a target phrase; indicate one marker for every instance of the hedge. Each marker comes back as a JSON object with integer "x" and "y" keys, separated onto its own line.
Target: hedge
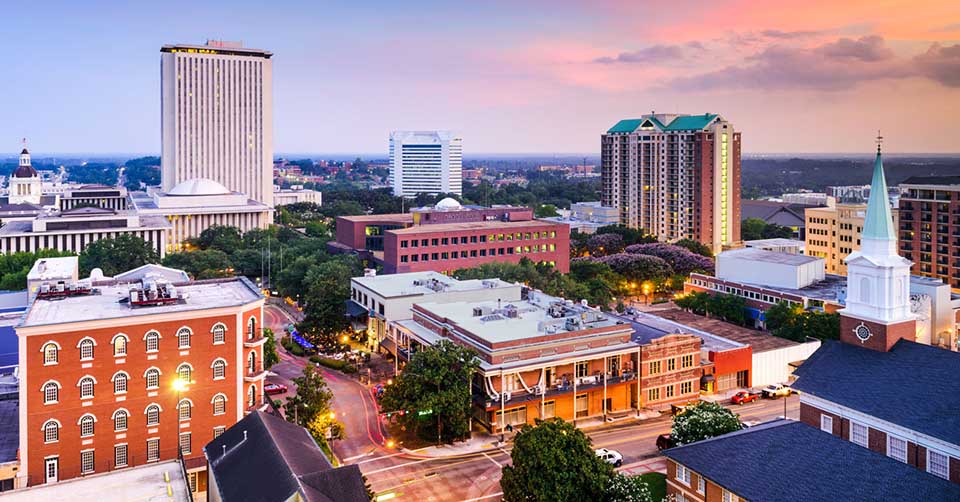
{"x": 339, "y": 365}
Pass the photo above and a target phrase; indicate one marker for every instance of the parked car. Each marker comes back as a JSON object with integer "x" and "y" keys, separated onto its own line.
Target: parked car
{"x": 610, "y": 456}
{"x": 664, "y": 441}
{"x": 744, "y": 397}
{"x": 776, "y": 390}
{"x": 274, "y": 388}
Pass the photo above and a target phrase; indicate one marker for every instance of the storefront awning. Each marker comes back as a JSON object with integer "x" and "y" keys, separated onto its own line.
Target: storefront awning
{"x": 356, "y": 310}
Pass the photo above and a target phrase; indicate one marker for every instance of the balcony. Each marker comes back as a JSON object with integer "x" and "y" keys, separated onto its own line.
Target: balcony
{"x": 254, "y": 373}
{"x": 521, "y": 396}
{"x": 254, "y": 340}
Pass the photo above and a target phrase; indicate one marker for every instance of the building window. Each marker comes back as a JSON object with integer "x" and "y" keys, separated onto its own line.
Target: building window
{"x": 730, "y": 497}
{"x": 184, "y": 409}
{"x": 152, "y": 376}
{"x": 655, "y": 367}
{"x": 153, "y": 450}
{"x": 86, "y": 425}
{"x": 120, "y": 420}
{"x": 671, "y": 364}
{"x": 686, "y": 387}
{"x": 120, "y": 345}
{"x": 859, "y": 434}
{"x": 51, "y": 353}
{"x": 701, "y": 485}
{"x": 51, "y": 431}
{"x": 86, "y": 387}
{"x": 183, "y": 338}
{"x": 669, "y": 390}
{"x": 549, "y": 409}
{"x": 86, "y": 349}
{"x": 51, "y": 392}
{"x": 252, "y": 328}
{"x": 192, "y": 481}
{"x": 742, "y": 378}
{"x": 653, "y": 394}
{"x": 683, "y": 474}
{"x": 152, "y": 339}
{"x": 896, "y": 448}
{"x": 583, "y": 369}
{"x": 252, "y": 396}
{"x": 219, "y": 404}
{"x": 218, "y": 431}
{"x": 153, "y": 414}
{"x": 185, "y": 443}
{"x": 686, "y": 361}
{"x": 219, "y": 333}
{"x": 826, "y": 423}
{"x": 219, "y": 369}
{"x": 86, "y": 462}
{"x": 938, "y": 464}
{"x": 185, "y": 373}
{"x": 120, "y": 383}
{"x": 120, "y": 455}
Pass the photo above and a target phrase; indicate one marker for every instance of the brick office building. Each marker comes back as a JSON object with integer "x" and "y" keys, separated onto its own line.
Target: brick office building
{"x": 449, "y": 236}
{"x": 115, "y": 375}
{"x": 929, "y": 218}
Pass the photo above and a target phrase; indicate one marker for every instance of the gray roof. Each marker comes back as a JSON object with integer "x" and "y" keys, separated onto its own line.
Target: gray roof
{"x": 782, "y": 213}
{"x": 785, "y": 460}
{"x": 9, "y": 429}
{"x": 757, "y": 254}
{"x": 875, "y": 383}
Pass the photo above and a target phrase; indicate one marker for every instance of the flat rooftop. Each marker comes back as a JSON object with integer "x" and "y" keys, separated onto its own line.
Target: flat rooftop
{"x": 423, "y": 283}
{"x": 762, "y": 255}
{"x": 778, "y": 242}
{"x": 761, "y": 342}
{"x": 141, "y": 484}
{"x": 476, "y": 225}
{"x": 378, "y": 218}
{"x": 648, "y": 327}
{"x": 147, "y": 222}
{"x": 54, "y": 268}
{"x": 540, "y": 315}
{"x": 199, "y": 295}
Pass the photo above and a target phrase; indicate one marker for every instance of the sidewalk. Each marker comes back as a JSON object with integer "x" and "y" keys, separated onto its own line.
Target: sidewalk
{"x": 476, "y": 444}
{"x": 655, "y": 464}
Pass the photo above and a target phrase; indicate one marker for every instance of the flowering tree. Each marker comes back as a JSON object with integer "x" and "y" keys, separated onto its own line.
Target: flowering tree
{"x": 623, "y": 488}
{"x": 702, "y": 421}
{"x": 605, "y": 244}
{"x": 638, "y": 267}
{"x": 682, "y": 260}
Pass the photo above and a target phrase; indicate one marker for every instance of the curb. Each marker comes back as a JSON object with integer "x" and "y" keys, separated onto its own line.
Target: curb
{"x": 413, "y": 453}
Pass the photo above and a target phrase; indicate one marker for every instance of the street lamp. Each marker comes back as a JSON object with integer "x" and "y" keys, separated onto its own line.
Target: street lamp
{"x": 180, "y": 385}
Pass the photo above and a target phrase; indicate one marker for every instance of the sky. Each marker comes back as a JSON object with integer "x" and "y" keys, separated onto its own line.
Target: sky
{"x": 522, "y": 76}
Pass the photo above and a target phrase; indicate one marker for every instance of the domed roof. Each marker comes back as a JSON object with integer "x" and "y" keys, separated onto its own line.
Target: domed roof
{"x": 25, "y": 172}
{"x": 199, "y": 186}
{"x": 448, "y": 203}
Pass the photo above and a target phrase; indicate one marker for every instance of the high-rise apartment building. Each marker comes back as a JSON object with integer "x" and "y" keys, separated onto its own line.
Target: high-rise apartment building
{"x": 675, "y": 176}
{"x": 426, "y": 162}
{"x": 217, "y": 117}
{"x": 929, "y": 207}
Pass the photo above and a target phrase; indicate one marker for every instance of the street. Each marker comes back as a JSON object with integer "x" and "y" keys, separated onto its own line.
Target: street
{"x": 473, "y": 476}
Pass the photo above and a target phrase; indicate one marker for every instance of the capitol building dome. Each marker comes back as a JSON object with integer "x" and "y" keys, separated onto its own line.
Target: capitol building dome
{"x": 448, "y": 204}
{"x": 199, "y": 186}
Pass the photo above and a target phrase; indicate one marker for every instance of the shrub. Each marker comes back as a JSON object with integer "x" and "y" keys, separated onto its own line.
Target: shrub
{"x": 344, "y": 366}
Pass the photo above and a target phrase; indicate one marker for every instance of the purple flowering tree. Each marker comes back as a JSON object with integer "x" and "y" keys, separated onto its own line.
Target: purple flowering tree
{"x": 638, "y": 267}
{"x": 681, "y": 260}
{"x": 605, "y": 244}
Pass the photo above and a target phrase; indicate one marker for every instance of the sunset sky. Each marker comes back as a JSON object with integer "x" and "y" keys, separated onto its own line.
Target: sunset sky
{"x": 513, "y": 77}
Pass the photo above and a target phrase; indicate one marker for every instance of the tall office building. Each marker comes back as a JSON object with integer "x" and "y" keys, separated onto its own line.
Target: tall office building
{"x": 833, "y": 232}
{"x": 675, "y": 176}
{"x": 426, "y": 162}
{"x": 217, "y": 117}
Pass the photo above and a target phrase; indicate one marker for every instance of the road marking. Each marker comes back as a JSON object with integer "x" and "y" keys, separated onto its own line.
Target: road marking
{"x": 398, "y": 466}
{"x": 492, "y": 460}
{"x": 484, "y": 497}
{"x": 367, "y": 454}
{"x": 378, "y": 458}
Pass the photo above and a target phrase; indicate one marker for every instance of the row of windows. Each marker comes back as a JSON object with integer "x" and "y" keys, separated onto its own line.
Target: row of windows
{"x": 87, "y": 384}
{"x": 655, "y": 367}
{"x": 121, "y": 454}
{"x": 655, "y": 393}
{"x": 474, "y": 239}
{"x": 474, "y": 253}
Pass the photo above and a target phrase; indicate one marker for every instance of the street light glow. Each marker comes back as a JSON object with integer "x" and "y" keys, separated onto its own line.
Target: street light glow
{"x": 180, "y": 385}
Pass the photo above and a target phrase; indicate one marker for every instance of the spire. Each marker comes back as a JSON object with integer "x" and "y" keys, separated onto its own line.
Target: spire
{"x": 879, "y": 220}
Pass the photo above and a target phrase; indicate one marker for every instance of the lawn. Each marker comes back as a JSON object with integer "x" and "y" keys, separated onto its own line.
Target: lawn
{"x": 657, "y": 483}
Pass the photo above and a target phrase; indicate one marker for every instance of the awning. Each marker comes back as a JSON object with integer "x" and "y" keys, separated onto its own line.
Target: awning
{"x": 354, "y": 309}
{"x": 706, "y": 379}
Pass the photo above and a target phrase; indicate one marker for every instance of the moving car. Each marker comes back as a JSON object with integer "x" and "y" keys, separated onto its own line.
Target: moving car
{"x": 610, "y": 456}
{"x": 664, "y": 441}
{"x": 776, "y": 390}
{"x": 274, "y": 388}
{"x": 744, "y": 397}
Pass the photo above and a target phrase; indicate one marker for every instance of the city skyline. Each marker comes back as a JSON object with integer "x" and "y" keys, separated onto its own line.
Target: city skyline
{"x": 346, "y": 76}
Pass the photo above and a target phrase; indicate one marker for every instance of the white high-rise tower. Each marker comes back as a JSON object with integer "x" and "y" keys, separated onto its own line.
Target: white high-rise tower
{"x": 217, "y": 117}
{"x": 426, "y": 162}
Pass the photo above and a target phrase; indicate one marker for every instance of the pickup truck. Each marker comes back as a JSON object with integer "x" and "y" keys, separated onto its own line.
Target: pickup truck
{"x": 776, "y": 390}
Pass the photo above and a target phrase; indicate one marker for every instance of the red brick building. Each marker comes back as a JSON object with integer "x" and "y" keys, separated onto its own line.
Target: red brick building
{"x": 115, "y": 375}
{"x": 448, "y": 237}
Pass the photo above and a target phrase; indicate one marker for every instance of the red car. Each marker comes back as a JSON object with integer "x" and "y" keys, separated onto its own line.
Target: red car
{"x": 744, "y": 397}
{"x": 274, "y": 388}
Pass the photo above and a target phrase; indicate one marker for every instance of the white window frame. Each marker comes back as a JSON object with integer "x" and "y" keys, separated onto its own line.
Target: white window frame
{"x": 945, "y": 474}
{"x": 184, "y": 417}
{"x": 826, "y": 423}
{"x": 118, "y": 378}
{"x": 56, "y": 429}
{"x": 83, "y": 421}
{"x": 83, "y": 462}
{"x": 866, "y": 434}
{"x": 683, "y": 474}
{"x": 219, "y": 332}
{"x": 701, "y": 485}
{"x": 222, "y": 368}
{"x": 222, "y": 398}
{"x": 146, "y": 377}
{"x": 189, "y": 368}
{"x": 153, "y": 449}
{"x": 189, "y": 437}
{"x": 890, "y": 439}
{"x": 146, "y": 411}
{"x": 152, "y": 335}
{"x": 180, "y": 334}
{"x": 93, "y": 386}
{"x": 126, "y": 343}
{"x": 117, "y": 449}
{"x": 126, "y": 419}
{"x": 84, "y": 343}
{"x": 56, "y": 386}
{"x": 218, "y": 431}
{"x": 56, "y": 353}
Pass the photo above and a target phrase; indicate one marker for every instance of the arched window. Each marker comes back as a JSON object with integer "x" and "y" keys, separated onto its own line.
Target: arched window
{"x": 252, "y": 362}
{"x": 219, "y": 369}
{"x": 183, "y": 337}
{"x": 219, "y": 404}
{"x": 120, "y": 420}
{"x": 51, "y": 392}
{"x": 86, "y": 425}
{"x": 252, "y": 328}
{"x": 152, "y": 339}
{"x": 185, "y": 373}
{"x": 252, "y": 396}
{"x": 219, "y": 332}
{"x": 152, "y": 376}
{"x": 153, "y": 414}
{"x": 86, "y": 348}
{"x": 51, "y": 431}
{"x": 86, "y": 387}
{"x": 51, "y": 353}
{"x": 120, "y": 379}
{"x": 119, "y": 344}
{"x": 184, "y": 409}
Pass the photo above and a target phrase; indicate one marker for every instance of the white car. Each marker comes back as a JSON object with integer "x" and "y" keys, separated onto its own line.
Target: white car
{"x": 776, "y": 390}
{"x": 610, "y": 456}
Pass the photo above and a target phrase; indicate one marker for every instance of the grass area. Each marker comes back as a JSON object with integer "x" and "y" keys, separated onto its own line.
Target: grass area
{"x": 657, "y": 483}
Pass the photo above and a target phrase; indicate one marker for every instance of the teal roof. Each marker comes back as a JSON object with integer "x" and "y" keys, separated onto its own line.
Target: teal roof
{"x": 879, "y": 221}
{"x": 683, "y": 123}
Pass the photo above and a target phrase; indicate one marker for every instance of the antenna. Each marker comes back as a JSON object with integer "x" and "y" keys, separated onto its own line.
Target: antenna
{"x": 879, "y": 141}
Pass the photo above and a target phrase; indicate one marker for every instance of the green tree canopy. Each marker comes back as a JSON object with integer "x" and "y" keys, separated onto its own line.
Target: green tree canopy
{"x": 125, "y": 252}
{"x": 755, "y": 228}
{"x": 554, "y": 461}
{"x": 695, "y": 247}
{"x": 703, "y": 420}
{"x": 434, "y": 390}
{"x": 546, "y": 211}
{"x": 312, "y": 398}
{"x": 220, "y": 237}
{"x": 624, "y": 488}
{"x": 14, "y": 267}
{"x": 201, "y": 264}
{"x": 794, "y": 323}
{"x": 327, "y": 291}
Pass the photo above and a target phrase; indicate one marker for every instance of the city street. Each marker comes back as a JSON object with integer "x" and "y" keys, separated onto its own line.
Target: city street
{"x": 469, "y": 477}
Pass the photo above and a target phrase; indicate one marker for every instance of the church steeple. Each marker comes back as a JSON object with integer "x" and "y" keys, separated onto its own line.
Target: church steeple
{"x": 879, "y": 220}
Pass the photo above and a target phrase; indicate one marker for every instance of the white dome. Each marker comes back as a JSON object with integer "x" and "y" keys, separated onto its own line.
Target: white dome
{"x": 199, "y": 186}
{"x": 448, "y": 203}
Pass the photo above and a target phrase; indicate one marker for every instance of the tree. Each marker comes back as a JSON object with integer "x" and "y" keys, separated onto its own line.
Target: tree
{"x": 695, "y": 247}
{"x": 435, "y": 386}
{"x": 14, "y": 267}
{"x": 751, "y": 229}
{"x": 221, "y": 237}
{"x": 624, "y": 488}
{"x": 112, "y": 256}
{"x": 546, "y": 211}
{"x": 681, "y": 260}
{"x": 201, "y": 264}
{"x": 781, "y": 315}
{"x": 324, "y": 427}
{"x": 702, "y": 421}
{"x": 730, "y": 308}
{"x": 270, "y": 355}
{"x": 605, "y": 244}
{"x": 554, "y": 461}
{"x": 327, "y": 291}
{"x": 696, "y": 302}
{"x": 629, "y": 235}
{"x": 312, "y": 397}
{"x": 637, "y": 267}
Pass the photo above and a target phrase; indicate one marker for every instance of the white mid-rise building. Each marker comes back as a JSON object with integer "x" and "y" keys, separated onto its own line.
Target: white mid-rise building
{"x": 426, "y": 162}
{"x": 217, "y": 117}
